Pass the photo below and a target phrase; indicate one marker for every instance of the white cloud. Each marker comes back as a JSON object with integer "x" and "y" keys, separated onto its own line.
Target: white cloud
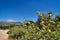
{"x": 10, "y": 20}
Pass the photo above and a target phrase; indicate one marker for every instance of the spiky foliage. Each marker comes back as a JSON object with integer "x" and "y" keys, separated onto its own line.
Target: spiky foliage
{"x": 47, "y": 29}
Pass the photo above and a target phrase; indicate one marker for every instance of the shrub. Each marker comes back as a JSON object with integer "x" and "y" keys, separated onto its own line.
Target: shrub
{"x": 48, "y": 29}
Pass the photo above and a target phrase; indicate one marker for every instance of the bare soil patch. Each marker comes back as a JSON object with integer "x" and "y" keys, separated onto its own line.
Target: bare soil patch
{"x": 3, "y": 34}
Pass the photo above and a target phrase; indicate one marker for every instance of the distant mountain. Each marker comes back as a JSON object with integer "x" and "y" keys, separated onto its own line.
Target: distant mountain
{"x": 9, "y": 23}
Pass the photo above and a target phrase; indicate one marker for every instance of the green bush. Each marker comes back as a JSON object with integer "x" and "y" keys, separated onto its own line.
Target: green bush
{"x": 50, "y": 29}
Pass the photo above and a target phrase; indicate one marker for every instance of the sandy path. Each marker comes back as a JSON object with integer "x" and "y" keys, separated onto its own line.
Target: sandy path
{"x": 3, "y": 34}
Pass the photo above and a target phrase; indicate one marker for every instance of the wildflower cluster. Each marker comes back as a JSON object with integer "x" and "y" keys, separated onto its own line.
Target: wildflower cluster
{"x": 48, "y": 29}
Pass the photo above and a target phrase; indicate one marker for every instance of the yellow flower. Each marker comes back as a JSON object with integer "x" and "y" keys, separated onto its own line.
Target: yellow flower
{"x": 27, "y": 33}
{"x": 34, "y": 29}
{"x": 42, "y": 30}
{"x": 53, "y": 22}
{"x": 41, "y": 15}
{"x": 42, "y": 18}
{"x": 46, "y": 27}
{"x": 48, "y": 24}
{"x": 50, "y": 14}
{"x": 59, "y": 23}
{"x": 42, "y": 22}
{"x": 53, "y": 32}
{"x": 37, "y": 33}
{"x": 35, "y": 38}
{"x": 28, "y": 22}
{"x": 56, "y": 18}
{"x": 32, "y": 24}
{"x": 49, "y": 30}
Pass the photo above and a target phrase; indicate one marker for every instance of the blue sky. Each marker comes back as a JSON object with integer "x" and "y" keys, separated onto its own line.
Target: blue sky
{"x": 20, "y": 10}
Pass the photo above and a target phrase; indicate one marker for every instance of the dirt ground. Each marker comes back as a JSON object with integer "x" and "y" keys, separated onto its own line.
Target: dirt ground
{"x": 3, "y": 34}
